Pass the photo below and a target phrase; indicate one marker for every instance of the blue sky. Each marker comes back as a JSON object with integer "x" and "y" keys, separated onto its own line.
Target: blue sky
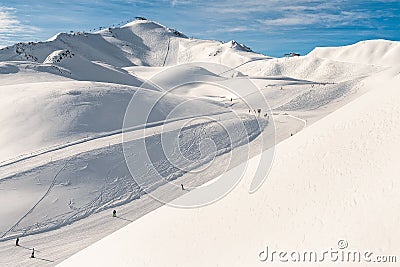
{"x": 272, "y": 27}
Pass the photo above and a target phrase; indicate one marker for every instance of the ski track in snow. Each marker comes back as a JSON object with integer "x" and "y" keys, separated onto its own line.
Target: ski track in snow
{"x": 88, "y": 176}
{"x": 314, "y": 99}
{"x": 37, "y": 203}
{"x": 115, "y": 192}
{"x": 166, "y": 54}
{"x": 91, "y": 138}
{"x": 120, "y": 188}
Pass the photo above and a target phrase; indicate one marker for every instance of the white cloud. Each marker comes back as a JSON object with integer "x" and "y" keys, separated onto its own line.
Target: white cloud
{"x": 290, "y": 21}
{"x": 237, "y": 29}
{"x": 180, "y": 2}
{"x": 11, "y": 27}
{"x": 320, "y": 19}
{"x": 267, "y": 6}
{"x": 231, "y": 29}
{"x": 266, "y": 15}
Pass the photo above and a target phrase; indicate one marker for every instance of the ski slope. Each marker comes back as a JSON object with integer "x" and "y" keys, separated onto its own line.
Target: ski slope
{"x": 350, "y": 193}
{"x": 64, "y": 131}
{"x": 71, "y": 110}
{"x": 75, "y": 187}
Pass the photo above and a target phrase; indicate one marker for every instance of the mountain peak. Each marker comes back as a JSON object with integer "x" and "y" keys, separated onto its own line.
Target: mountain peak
{"x": 145, "y": 24}
{"x": 241, "y": 47}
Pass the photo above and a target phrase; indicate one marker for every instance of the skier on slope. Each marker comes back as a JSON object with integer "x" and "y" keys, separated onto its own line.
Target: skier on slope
{"x": 17, "y": 242}
{"x": 114, "y": 213}
{"x": 182, "y": 187}
{"x": 33, "y": 253}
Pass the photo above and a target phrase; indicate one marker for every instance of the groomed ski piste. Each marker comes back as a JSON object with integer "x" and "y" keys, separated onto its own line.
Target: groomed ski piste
{"x": 313, "y": 198}
{"x": 63, "y": 168}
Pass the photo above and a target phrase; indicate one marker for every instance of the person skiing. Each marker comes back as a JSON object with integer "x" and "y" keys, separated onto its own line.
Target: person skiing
{"x": 17, "y": 242}
{"x": 114, "y": 213}
{"x": 33, "y": 253}
{"x": 182, "y": 187}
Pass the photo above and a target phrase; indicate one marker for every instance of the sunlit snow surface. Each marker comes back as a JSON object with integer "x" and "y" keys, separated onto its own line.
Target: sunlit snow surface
{"x": 65, "y": 161}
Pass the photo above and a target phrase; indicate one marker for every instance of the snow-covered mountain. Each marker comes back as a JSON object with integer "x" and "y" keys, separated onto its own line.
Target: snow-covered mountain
{"x": 62, "y": 108}
{"x": 139, "y": 43}
{"x": 66, "y": 59}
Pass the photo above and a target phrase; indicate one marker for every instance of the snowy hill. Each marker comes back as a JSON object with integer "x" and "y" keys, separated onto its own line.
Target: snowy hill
{"x": 71, "y": 110}
{"x": 142, "y": 42}
{"x": 97, "y": 57}
{"x": 71, "y": 105}
{"x": 375, "y": 52}
{"x": 305, "y": 205}
{"x": 63, "y": 107}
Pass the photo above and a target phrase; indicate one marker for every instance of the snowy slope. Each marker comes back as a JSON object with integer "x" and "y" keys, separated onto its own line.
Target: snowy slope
{"x": 72, "y": 110}
{"x": 350, "y": 193}
{"x": 376, "y": 52}
{"x": 74, "y": 187}
{"x": 62, "y": 106}
{"x": 316, "y": 84}
{"x": 313, "y": 68}
{"x": 142, "y": 43}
